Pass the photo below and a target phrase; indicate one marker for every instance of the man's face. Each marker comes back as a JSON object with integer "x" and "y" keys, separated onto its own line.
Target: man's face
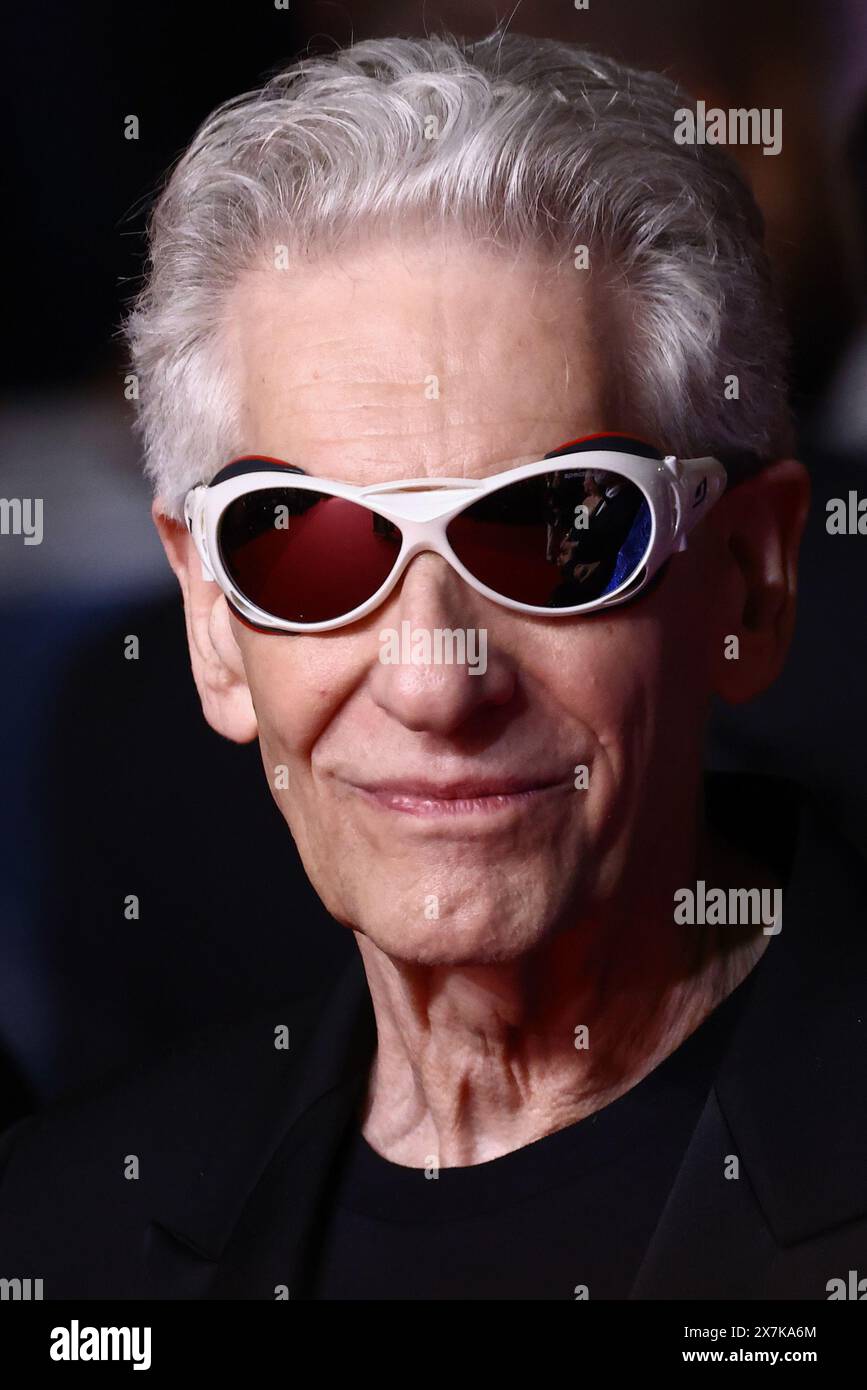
{"x": 408, "y": 363}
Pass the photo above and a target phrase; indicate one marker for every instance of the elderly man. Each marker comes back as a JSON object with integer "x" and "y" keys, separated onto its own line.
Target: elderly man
{"x": 411, "y": 307}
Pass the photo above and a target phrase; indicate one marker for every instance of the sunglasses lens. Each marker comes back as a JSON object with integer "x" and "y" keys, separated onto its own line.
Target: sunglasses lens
{"x": 557, "y": 540}
{"x": 306, "y": 557}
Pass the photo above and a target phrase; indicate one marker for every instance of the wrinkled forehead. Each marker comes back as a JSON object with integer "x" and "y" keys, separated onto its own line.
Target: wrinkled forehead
{"x": 406, "y": 361}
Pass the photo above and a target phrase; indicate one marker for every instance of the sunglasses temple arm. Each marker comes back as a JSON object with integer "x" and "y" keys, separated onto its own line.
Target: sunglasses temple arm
{"x": 700, "y": 483}
{"x": 194, "y": 513}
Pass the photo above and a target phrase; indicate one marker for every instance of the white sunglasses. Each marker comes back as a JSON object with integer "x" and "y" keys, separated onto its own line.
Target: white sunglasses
{"x": 585, "y": 528}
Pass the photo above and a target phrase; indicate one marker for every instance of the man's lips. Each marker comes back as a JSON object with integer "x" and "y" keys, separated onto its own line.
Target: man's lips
{"x": 469, "y": 796}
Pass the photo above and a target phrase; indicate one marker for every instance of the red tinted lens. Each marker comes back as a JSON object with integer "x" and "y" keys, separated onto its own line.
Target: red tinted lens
{"x": 306, "y": 557}
{"x": 555, "y": 540}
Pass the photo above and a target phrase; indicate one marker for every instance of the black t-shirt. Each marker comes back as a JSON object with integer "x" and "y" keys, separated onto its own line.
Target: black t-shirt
{"x": 575, "y": 1208}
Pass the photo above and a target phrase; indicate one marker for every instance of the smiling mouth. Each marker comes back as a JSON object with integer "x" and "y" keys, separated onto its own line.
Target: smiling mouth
{"x": 465, "y": 799}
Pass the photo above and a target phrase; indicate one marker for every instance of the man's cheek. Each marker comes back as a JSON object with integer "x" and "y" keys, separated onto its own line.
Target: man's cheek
{"x": 285, "y": 707}
{"x": 283, "y": 765}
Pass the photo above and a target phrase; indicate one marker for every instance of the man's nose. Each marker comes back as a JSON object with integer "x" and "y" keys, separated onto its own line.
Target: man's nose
{"x": 437, "y": 663}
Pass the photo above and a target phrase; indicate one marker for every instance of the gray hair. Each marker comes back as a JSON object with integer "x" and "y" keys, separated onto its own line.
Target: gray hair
{"x": 537, "y": 144}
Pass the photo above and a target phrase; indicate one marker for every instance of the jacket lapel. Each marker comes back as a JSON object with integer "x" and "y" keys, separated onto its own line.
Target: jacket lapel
{"x": 711, "y": 1240}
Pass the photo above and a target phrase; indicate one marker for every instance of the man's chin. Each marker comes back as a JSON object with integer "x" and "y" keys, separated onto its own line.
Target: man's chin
{"x": 450, "y": 940}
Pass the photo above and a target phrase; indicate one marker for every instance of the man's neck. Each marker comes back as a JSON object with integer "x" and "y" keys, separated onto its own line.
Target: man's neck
{"x": 475, "y": 1061}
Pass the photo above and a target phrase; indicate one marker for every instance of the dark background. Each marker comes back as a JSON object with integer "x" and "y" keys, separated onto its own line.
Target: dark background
{"x": 112, "y": 784}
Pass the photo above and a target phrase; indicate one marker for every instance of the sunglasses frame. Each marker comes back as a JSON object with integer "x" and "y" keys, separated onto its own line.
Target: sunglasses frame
{"x": 679, "y": 493}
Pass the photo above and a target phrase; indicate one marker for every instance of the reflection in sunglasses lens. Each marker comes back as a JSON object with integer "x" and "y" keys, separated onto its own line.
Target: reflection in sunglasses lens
{"x": 556, "y": 540}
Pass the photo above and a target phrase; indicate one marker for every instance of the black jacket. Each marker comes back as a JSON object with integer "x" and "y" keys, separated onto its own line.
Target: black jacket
{"x": 236, "y": 1140}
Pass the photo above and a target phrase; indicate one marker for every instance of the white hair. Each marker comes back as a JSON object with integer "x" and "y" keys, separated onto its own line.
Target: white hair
{"x": 538, "y": 144}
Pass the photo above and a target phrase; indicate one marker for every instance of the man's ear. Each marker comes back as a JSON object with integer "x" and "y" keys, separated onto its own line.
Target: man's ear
{"x": 759, "y": 524}
{"x": 218, "y": 667}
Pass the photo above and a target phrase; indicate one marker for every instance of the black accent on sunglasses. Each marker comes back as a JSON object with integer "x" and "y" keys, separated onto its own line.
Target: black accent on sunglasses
{"x": 615, "y": 443}
{"x": 253, "y": 464}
